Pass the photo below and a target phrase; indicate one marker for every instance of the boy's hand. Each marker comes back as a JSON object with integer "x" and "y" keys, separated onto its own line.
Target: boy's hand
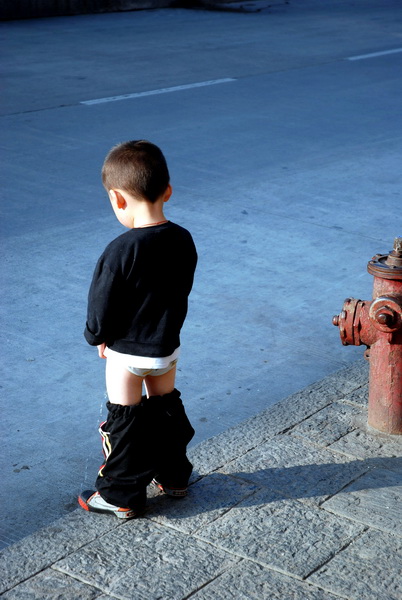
{"x": 101, "y": 350}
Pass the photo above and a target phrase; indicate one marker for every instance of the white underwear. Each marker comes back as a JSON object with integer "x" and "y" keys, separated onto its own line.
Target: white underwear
{"x": 142, "y": 366}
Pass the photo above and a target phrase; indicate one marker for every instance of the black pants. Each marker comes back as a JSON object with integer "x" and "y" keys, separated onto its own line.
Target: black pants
{"x": 142, "y": 442}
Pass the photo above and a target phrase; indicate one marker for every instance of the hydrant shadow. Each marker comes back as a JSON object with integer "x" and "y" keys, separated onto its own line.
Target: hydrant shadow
{"x": 321, "y": 481}
{"x": 214, "y": 494}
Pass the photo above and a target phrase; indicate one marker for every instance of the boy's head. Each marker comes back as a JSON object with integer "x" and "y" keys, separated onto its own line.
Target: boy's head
{"x": 138, "y": 168}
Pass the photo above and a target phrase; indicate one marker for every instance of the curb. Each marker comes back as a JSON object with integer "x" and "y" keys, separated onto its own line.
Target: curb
{"x": 10, "y": 10}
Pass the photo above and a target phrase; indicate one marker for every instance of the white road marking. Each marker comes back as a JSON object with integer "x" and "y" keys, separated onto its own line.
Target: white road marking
{"x": 176, "y": 88}
{"x": 374, "y": 54}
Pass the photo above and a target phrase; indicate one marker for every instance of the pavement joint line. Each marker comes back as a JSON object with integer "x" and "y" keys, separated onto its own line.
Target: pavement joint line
{"x": 225, "y": 512}
{"x": 328, "y": 591}
{"x": 176, "y": 88}
{"x": 340, "y": 452}
{"x": 76, "y": 577}
{"x": 374, "y": 54}
{"x": 345, "y": 400}
{"x": 329, "y": 558}
{"x": 288, "y": 430}
{"x": 321, "y": 505}
{"x": 201, "y": 587}
{"x": 243, "y": 558}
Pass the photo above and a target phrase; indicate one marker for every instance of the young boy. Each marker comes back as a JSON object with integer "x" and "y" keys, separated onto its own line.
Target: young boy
{"x": 136, "y": 307}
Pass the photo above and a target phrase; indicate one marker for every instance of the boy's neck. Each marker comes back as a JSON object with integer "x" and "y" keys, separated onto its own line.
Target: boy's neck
{"x": 148, "y": 215}
{"x": 150, "y": 224}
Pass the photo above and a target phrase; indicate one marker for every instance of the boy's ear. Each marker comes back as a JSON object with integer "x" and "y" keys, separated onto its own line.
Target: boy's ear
{"x": 168, "y": 193}
{"x": 117, "y": 198}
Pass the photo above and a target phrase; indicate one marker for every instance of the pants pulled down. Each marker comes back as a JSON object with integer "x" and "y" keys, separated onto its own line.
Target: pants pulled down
{"x": 143, "y": 442}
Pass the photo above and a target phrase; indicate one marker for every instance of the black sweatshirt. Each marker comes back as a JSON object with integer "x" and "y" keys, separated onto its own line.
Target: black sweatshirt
{"x": 137, "y": 301}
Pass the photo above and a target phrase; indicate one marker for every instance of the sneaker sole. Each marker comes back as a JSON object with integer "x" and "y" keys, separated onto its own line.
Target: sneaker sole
{"x": 172, "y": 492}
{"x": 120, "y": 513}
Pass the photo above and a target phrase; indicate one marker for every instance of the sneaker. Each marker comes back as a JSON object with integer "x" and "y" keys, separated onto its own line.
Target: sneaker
{"x": 93, "y": 502}
{"x": 174, "y": 492}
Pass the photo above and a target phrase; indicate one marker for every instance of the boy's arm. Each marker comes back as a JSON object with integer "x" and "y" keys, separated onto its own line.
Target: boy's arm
{"x": 102, "y": 308}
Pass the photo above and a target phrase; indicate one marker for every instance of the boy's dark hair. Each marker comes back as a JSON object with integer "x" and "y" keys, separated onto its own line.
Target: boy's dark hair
{"x": 137, "y": 167}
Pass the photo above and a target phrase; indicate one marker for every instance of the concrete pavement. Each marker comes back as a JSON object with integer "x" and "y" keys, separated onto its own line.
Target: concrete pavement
{"x": 302, "y": 501}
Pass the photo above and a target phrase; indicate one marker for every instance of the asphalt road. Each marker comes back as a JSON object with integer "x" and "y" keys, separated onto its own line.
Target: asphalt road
{"x": 282, "y": 130}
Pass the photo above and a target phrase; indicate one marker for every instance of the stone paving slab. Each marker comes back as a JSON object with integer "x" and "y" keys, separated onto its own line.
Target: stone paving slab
{"x": 283, "y": 535}
{"x": 296, "y": 469}
{"x": 329, "y": 424}
{"x": 250, "y": 581}
{"x": 348, "y": 381}
{"x": 364, "y": 443}
{"x": 375, "y": 499}
{"x": 51, "y": 584}
{"x": 43, "y": 548}
{"x": 144, "y": 560}
{"x": 358, "y": 397}
{"x": 368, "y": 569}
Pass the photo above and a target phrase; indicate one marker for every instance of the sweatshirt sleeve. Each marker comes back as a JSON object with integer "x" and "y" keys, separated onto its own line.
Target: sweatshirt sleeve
{"x": 102, "y": 305}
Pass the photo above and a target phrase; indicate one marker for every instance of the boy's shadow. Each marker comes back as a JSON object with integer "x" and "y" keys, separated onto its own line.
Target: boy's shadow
{"x": 220, "y": 491}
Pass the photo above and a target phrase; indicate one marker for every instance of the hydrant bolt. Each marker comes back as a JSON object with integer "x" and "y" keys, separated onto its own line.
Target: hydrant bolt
{"x": 386, "y": 313}
{"x": 384, "y": 319}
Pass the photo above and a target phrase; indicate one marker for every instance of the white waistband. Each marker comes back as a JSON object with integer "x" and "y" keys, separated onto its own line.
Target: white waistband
{"x": 142, "y": 362}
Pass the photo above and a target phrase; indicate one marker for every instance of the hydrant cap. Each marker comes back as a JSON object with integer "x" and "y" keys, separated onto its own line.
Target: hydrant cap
{"x": 388, "y": 266}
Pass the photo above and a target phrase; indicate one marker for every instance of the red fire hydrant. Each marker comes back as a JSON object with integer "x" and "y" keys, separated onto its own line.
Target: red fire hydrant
{"x": 378, "y": 325}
